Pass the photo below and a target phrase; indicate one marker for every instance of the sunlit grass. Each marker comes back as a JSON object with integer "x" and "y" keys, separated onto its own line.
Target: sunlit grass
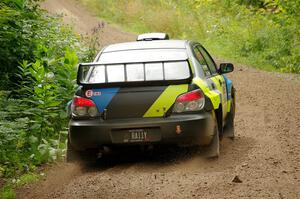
{"x": 229, "y": 32}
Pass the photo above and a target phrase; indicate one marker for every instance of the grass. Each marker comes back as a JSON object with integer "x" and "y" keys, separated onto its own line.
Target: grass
{"x": 228, "y": 30}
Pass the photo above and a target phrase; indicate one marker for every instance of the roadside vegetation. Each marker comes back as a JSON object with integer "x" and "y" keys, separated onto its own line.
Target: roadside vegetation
{"x": 38, "y": 59}
{"x": 261, "y": 33}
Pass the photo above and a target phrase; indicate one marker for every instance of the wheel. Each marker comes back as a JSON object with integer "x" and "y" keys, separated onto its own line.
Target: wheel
{"x": 229, "y": 127}
{"x": 79, "y": 156}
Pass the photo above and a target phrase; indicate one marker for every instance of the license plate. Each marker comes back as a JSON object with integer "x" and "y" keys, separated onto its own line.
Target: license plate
{"x": 136, "y": 135}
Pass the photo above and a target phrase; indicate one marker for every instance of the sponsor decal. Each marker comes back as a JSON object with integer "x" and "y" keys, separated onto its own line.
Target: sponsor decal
{"x": 97, "y": 93}
{"x": 89, "y": 93}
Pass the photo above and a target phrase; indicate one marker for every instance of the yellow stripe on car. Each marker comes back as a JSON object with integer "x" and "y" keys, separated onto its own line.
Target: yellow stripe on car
{"x": 212, "y": 95}
{"x": 216, "y": 81}
{"x": 166, "y": 100}
{"x": 228, "y": 105}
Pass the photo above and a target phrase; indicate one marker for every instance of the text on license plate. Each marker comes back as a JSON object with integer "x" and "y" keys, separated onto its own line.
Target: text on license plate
{"x": 138, "y": 134}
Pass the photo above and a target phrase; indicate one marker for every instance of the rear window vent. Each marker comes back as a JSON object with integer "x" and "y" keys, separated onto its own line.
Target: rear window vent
{"x": 94, "y": 73}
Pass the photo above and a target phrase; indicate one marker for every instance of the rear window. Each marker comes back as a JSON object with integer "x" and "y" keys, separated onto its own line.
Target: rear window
{"x": 145, "y": 55}
{"x": 137, "y": 72}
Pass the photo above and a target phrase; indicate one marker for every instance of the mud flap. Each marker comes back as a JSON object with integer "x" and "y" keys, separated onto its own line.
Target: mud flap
{"x": 213, "y": 149}
{"x": 229, "y": 127}
{"x": 79, "y": 156}
{"x": 71, "y": 155}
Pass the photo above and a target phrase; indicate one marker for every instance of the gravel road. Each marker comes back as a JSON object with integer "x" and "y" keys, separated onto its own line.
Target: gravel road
{"x": 262, "y": 162}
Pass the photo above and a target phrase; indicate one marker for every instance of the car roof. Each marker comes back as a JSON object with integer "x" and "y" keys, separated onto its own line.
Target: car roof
{"x": 140, "y": 45}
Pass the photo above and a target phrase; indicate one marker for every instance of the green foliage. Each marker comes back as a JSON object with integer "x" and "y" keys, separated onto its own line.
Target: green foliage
{"x": 32, "y": 35}
{"x": 35, "y": 126}
{"x": 262, "y": 33}
{"x": 16, "y": 41}
{"x": 8, "y": 191}
{"x": 38, "y": 65}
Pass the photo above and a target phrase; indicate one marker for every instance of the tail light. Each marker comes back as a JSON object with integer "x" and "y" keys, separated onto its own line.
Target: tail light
{"x": 83, "y": 107}
{"x": 191, "y": 101}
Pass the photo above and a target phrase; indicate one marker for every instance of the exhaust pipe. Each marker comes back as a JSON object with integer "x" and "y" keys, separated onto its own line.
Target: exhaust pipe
{"x": 103, "y": 151}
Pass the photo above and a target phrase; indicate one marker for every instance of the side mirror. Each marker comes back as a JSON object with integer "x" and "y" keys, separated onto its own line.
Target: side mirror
{"x": 226, "y": 68}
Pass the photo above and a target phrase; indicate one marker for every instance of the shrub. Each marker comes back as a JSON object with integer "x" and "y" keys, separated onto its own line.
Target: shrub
{"x": 38, "y": 63}
{"x": 33, "y": 35}
{"x": 33, "y": 129}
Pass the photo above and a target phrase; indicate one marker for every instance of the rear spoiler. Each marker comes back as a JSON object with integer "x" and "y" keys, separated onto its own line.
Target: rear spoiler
{"x": 84, "y": 66}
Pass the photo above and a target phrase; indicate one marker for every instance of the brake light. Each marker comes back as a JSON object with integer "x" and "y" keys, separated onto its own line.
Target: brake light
{"x": 84, "y": 107}
{"x": 191, "y": 101}
{"x": 80, "y": 101}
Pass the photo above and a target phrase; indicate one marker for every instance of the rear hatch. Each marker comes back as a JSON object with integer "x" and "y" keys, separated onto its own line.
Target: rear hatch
{"x": 136, "y": 102}
{"x": 135, "y": 89}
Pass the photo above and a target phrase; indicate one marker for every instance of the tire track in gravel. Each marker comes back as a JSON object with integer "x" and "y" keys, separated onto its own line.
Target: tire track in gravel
{"x": 265, "y": 154}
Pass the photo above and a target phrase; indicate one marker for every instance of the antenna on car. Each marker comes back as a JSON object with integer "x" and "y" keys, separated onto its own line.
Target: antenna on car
{"x": 153, "y": 36}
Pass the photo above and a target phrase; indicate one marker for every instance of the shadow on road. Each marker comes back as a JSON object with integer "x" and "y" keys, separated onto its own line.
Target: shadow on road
{"x": 232, "y": 153}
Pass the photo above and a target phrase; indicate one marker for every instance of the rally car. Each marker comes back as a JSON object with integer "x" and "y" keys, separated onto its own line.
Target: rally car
{"x": 153, "y": 91}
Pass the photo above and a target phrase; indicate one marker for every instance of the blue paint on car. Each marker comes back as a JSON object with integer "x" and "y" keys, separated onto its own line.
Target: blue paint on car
{"x": 102, "y": 97}
{"x": 228, "y": 86}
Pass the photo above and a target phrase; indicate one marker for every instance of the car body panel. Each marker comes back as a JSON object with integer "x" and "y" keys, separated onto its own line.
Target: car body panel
{"x": 212, "y": 94}
{"x": 103, "y": 96}
{"x": 133, "y": 102}
{"x": 219, "y": 82}
{"x": 160, "y": 44}
{"x": 196, "y": 129}
{"x": 229, "y": 86}
{"x": 166, "y": 100}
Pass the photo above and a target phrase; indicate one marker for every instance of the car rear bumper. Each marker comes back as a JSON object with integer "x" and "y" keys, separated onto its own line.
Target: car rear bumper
{"x": 195, "y": 129}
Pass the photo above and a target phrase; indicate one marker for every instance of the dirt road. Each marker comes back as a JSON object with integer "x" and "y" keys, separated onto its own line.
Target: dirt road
{"x": 265, "y": 155}
{"x": 84, "y": 22}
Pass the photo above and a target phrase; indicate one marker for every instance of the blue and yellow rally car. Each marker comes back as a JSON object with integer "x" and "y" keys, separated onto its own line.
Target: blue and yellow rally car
{"x": 153, "y": 91}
